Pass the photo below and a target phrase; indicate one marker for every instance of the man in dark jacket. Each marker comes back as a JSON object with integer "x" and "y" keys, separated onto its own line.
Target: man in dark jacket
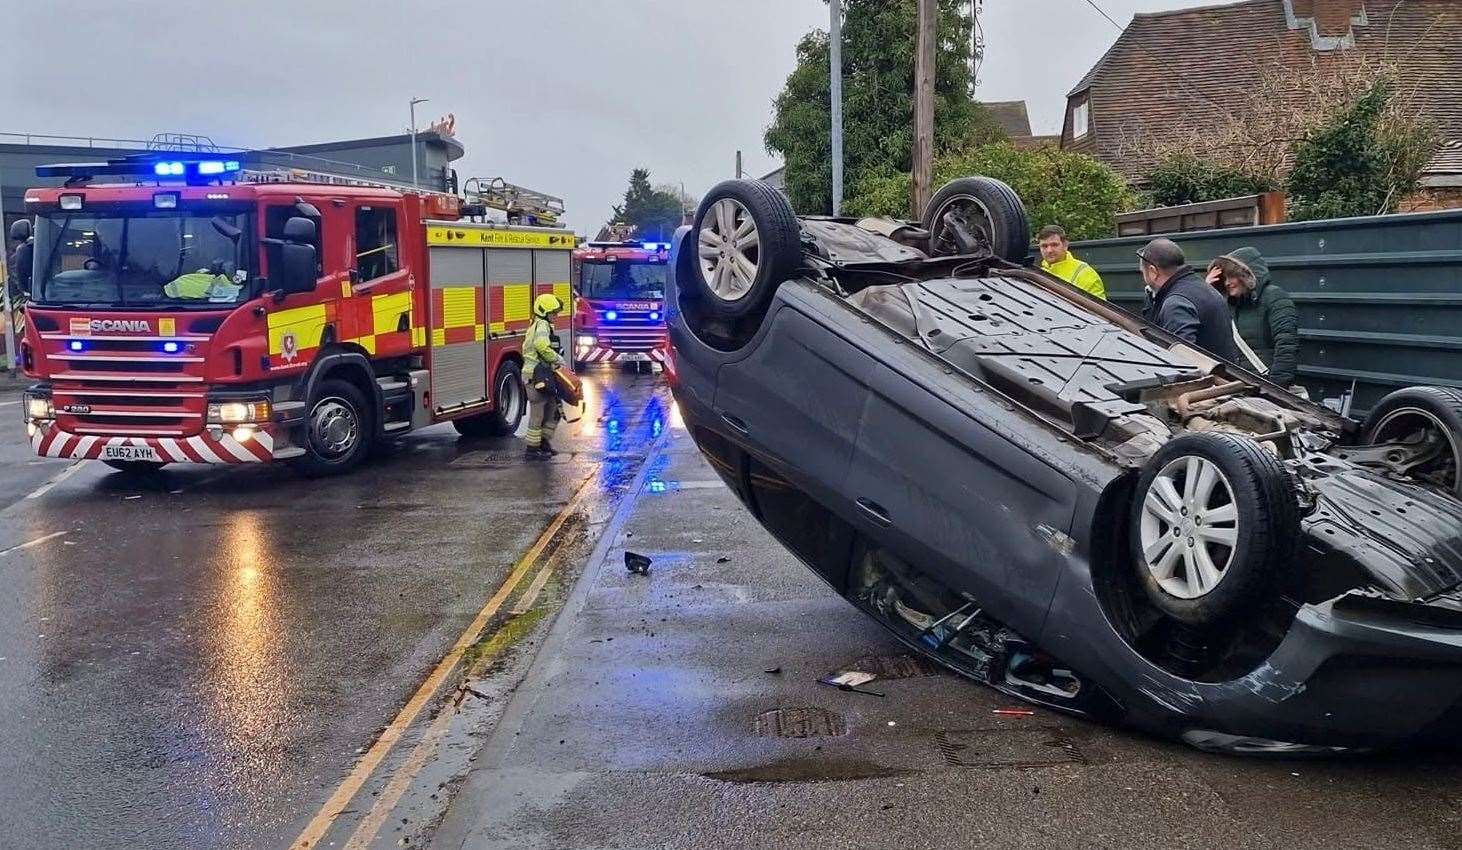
{"x": 1182, "y": 302}
{"x": 1267, "y": 319}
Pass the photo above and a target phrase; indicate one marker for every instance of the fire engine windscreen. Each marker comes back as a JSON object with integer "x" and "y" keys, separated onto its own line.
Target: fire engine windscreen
{"x": 144, "y": 259}
{"x": 625, "y": 280}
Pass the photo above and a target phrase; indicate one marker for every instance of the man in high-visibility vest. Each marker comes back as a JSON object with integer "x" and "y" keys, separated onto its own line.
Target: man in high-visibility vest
{"x": 540, "y": 356}
{"x": 1056, "y": 258}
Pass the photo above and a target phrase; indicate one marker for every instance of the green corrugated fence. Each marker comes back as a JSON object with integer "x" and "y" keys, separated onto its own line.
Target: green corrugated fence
{"x": 1379, "y": 298}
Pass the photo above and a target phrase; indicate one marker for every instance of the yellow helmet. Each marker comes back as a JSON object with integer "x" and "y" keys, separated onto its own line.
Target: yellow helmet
{"x": 547, "y": 303}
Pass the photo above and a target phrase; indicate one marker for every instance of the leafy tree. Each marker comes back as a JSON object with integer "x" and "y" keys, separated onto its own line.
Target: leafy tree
{"x": 1358, "y": 162}
{"x": 1058, "y": 187}
{"x": 653, "y": 212}
{"x": 878, "y": 99}
{"x": 1186, "y": 179}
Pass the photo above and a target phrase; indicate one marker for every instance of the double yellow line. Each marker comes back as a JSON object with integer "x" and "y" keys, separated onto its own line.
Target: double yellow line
{"x": 351, "y": 785}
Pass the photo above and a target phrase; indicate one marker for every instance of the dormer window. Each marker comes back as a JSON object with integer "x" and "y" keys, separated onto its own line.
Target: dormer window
{"x": 1081, "y": 119}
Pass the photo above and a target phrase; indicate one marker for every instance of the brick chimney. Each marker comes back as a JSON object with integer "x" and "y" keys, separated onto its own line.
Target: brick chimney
{"x": 1331, "y": 23}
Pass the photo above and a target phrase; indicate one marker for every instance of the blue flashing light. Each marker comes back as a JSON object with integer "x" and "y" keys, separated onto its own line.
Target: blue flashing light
{"x": 171, "y": 347}
{"x": 231, "y": 165}
{"x": 657, "y": 246}
{"x": 76, "y": 345}
{"x": 654, "y": 316}
{"x": 168, "y": 169}
{"x": 655, "y": 486}
{"x": 160, "y": 169}
{"x": 210, "y": 166}
{"x": 611, "y": 316}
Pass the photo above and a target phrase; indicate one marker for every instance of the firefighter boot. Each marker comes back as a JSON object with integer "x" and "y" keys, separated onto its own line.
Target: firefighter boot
{"x": 546, "y": 449}
{"x": 534, "y": 453}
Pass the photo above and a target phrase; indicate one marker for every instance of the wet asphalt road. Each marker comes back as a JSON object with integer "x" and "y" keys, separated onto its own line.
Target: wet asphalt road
{"x": 195, "y": 661}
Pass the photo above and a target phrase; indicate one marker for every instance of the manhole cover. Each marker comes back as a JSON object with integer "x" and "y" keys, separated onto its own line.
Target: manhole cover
{"x": 799, "y": 723}
{"x": 894, "y": 666}
{"x": 1006, "y": 748}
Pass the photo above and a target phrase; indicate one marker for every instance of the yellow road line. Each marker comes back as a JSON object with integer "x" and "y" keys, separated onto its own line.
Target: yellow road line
{"x": 396, "y": 788}
{"x": 368, "y": 763}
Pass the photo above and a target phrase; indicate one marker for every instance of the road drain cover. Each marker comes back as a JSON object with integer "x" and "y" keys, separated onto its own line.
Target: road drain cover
{"x": 1007, "y": 748}
{"x": 894, "y": 666}
{"x": 799, "y": 723}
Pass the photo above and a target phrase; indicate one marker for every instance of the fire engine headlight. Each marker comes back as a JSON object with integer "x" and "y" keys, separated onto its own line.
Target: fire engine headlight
{"x": 586, "y": 341}
{"x": 238, "y": 412}
{"x": 39, "y": 407}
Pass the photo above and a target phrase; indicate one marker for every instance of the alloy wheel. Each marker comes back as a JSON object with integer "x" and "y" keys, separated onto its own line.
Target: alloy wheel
{"x": 1190, "y": 527}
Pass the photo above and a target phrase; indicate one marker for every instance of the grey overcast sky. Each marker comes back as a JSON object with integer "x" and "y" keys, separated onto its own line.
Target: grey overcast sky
{"x": 562, "y": 96}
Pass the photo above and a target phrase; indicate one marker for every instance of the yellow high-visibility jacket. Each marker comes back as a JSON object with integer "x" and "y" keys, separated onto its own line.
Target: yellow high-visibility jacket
{"x": 1079, "y": 274}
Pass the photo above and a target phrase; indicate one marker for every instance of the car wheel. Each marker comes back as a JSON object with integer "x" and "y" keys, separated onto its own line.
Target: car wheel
{"x": 135, "y": 467}
{"x": 980, "y": 208}
{"x": 339, "y": 430}
{"x": 1213, "y": 523}
{"x": 747, "y": 241}
{"x": 512, "y": 403}
{"x": 1419, "y": 415}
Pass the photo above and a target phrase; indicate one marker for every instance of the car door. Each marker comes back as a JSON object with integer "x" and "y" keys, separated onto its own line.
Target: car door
{"x": 934, "y": 478}
{"x": 796, "y": 400}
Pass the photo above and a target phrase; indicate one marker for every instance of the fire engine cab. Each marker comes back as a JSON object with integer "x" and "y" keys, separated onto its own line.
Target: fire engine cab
{"x": 620, "y": 302}
{"x": 199, "y": 310}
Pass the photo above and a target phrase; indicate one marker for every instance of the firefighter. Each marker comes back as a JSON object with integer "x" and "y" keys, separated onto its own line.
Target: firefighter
{"x": 540, "y": 357}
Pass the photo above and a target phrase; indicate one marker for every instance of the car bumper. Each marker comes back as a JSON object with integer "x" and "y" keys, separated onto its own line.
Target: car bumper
{"x": 220, "y": 447}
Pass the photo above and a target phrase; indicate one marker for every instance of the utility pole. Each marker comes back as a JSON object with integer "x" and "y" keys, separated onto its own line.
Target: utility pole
{"x": 414, "y": 102}
{"x": 924, "y": 104}
{"x": 835, "y": 75}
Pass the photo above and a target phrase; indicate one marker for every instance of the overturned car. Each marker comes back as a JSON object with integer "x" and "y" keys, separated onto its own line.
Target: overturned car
{"x": 1054, "y": 497}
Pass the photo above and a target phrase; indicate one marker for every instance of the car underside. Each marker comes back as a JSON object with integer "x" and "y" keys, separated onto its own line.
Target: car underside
{"x": 1054, "y": 497}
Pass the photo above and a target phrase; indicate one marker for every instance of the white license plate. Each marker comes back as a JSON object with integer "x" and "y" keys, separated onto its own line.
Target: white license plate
{"x": 130, "y": 453}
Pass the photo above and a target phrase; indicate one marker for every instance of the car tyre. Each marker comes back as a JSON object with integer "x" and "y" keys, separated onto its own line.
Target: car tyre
{"x": 338, "y": 431}
{"x": 1405, "y": 412}
{"x": 745, "y": 241}
{"x": 512, "y": 405}
{"x": 1213, "y": 525}
{"x": 989, "y": 208}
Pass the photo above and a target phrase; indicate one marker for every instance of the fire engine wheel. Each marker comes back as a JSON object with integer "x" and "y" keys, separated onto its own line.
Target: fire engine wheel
{"x": 338, "y": 430}
{"x": 135, "y": 467}
{"x": 512, "y": 404}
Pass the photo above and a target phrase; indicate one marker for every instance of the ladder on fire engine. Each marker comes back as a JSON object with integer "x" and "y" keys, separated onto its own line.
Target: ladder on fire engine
{"x": 522, "y": 205}
{"x": 517, "y": 201}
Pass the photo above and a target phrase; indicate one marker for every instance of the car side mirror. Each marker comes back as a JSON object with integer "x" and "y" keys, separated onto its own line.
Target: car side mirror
{"x": 297, "y": 268}
{"x": 20, "y": 230}
{"x": 297, "y": 256}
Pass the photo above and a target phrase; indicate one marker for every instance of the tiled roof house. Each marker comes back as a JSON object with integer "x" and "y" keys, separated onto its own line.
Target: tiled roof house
{"x": 1169, "y": 73}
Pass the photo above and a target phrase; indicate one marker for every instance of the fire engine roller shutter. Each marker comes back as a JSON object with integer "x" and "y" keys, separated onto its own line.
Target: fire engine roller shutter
{"x": 457, "y": 328}
{"x": 509, "y": 291}
{"x": 551, "y": 274}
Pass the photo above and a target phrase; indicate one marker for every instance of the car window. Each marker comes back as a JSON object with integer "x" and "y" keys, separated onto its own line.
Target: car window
{"x": 376, "y": 251}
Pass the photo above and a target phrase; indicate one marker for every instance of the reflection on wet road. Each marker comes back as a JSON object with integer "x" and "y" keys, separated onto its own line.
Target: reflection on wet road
{"x": 196, "y": 660}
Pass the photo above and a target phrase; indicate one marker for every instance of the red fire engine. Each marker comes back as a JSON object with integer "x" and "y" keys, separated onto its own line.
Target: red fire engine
{"x": 202, "y": 311}
{"x": 619, "y": 290}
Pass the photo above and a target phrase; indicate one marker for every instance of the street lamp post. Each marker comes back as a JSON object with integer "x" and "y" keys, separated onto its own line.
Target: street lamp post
{"x": 414, "y": 102}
